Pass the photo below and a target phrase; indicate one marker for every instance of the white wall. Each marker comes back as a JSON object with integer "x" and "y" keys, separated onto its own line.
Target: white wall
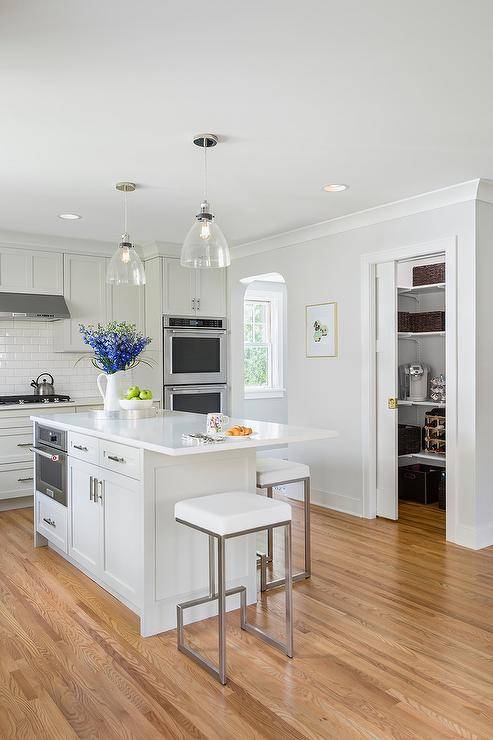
{"x": 327, "y": 392}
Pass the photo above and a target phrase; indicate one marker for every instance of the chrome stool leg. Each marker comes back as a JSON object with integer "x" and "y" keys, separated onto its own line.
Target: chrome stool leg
{"x": 220, "y": 597}
{"x": 266, "y": 585}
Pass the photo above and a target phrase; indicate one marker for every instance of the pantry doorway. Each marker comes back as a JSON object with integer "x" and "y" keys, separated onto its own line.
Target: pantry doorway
{"x": 409, "y": 338}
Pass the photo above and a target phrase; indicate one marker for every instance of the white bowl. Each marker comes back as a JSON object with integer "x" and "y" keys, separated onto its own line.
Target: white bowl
{"x": 135, "y": 404}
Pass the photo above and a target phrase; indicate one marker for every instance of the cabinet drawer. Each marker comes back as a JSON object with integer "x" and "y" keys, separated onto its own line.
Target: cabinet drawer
{"x": 120, "y": 458}
{"x": 16, "y": 480}
{"x": 51, "y": 520}
{"x": 15, "y": 444}
{"x": 83, "y": 447}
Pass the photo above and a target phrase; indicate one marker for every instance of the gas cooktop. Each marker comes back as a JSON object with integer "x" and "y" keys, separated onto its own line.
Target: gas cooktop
{"x": 19, "y": 400}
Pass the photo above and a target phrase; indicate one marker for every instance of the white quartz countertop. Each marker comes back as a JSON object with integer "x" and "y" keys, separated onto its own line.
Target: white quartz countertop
{"x": 164, "y": 432}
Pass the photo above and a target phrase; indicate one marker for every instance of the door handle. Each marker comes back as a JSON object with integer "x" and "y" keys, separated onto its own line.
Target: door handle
{"x": 91, "y": 481}
{"x": 116, "y": 459}
{"x": 101, "y": 490}
{"x": 80, "y": 447}
{"x": 392, "y": 403}
{"x": 49, "y": 521}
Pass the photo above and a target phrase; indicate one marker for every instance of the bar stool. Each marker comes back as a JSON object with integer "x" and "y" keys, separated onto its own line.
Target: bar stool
{"x": 272, "y": 471}
{"x": 223, "y": 516}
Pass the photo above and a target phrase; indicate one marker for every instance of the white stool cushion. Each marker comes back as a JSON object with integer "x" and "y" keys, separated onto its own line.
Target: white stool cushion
{"x": 271, "y": 471}
{"x": 234, "y": 511}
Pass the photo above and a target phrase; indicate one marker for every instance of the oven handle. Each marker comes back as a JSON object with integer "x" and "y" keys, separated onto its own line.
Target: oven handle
{"x": 198, "y": 332}
{"x": 54, "y": 457}
{"x": 197, "y": 389}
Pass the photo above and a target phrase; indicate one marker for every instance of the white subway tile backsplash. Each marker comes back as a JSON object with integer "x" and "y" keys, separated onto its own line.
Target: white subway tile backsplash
{"x": 26, "y": 350}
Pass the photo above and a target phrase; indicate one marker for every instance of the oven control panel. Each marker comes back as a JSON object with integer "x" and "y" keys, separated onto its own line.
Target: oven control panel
{"x": 185, "y": 322}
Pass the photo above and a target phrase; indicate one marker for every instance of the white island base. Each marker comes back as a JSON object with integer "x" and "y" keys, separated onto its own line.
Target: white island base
{"x": 124, "y": 479}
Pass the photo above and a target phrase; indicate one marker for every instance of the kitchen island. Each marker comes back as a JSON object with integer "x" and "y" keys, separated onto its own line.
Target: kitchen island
{"x": 123, "y": 480}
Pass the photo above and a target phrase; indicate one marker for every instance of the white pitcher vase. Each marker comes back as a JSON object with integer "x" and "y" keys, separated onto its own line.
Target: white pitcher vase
{"x": 112, "y": 391}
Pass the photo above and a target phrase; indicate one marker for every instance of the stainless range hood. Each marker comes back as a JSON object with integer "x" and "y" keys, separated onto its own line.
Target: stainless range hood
{"x": 33, "y": 307}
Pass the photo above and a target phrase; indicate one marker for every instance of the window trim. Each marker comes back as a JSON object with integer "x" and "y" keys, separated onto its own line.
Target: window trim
{"x": 276, "y": 301}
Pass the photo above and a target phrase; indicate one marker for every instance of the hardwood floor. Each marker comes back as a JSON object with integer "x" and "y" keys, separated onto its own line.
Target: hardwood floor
{"x": 393, "y": 638}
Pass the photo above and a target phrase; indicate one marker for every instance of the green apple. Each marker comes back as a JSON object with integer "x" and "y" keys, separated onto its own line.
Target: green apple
{"x": 132, "y": 392}
{"x": 145, "y": 395}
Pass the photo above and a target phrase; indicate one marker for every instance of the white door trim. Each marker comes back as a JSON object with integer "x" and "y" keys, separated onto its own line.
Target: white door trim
{"x": 447, "y": 246}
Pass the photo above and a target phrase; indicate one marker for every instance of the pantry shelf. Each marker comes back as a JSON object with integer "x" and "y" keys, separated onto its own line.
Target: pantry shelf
{"x": 433, "y": 404}
{"x": 422, "y": 288}
{"x": 409, "y": 334}
{"x": 425, "y": 456}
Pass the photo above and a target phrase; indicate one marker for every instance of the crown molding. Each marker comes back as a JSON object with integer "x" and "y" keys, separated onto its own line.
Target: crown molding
{"x": 153, "y": 249}
{"x": 47, "y": 243}
{"x": 451, "y": 195}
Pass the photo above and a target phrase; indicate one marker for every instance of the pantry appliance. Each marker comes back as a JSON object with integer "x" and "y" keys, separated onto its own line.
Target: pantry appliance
{"x": 414, "y": 381}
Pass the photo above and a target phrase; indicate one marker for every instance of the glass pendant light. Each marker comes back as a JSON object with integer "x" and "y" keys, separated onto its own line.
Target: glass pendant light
{"x": 125, "y": 266}
{"x": 205, "y": 244}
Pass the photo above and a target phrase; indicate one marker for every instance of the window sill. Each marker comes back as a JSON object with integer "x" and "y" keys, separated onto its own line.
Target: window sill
{"x": 258, "y": 393}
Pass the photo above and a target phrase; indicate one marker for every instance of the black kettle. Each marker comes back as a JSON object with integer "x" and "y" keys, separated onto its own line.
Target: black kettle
{"x": 43, "y": 387}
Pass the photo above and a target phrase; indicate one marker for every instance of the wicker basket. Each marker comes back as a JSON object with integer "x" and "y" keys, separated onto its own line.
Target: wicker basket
{"x": 435, "y": 432}
{"x": 404, "y": 321}
{"x": 409, "y": 439}
{"x": 429, "y": 274}
{"x": 428, "y": 321}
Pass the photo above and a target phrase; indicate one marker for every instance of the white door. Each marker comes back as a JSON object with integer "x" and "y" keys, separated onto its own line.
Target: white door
{"x": 87, "y": 294}
{"x": 85, "y": 516}
{"x": 122, "y": 565}
{"x": 386, "y": 374}
{"x": 180, "y": 288}
{"x": 211, "y": 292}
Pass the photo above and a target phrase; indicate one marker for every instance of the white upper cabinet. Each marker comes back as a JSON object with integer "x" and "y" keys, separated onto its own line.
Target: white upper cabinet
{"x": 211, "y": 292}
{"x": 191, "y": 292}
{"x": 87, "y": 296}
{"x": 179, "y": 288}
{"x": 29, "y": 271}
{"x": 127, "y": 304}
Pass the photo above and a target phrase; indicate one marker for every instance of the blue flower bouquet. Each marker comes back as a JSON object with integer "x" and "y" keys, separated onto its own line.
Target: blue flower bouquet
{"x": 117, "y": 345}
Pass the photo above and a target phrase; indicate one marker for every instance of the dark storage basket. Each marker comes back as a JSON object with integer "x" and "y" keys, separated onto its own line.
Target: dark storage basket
{"x": 442, "y": 491}
{"x": 429, "y": 274}
{"x": 428, "y": 321}
{"x": 419, "y": 483}
{"x": 409, "y": 439}
{"x": 404, "y": 321}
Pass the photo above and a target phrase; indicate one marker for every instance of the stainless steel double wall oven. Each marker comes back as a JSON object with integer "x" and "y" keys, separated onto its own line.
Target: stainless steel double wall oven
{"x": 195, "y": 364}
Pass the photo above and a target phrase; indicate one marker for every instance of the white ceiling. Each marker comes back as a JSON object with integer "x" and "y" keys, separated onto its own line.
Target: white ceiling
{"x": 393, "y": 98}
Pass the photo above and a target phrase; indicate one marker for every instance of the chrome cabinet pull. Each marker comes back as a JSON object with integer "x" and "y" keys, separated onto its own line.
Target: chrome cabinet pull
{"x": 49, "y": 521}
{"x": 116, "y": 459}
{"x": 198, "y": 304}
{"x": 91, "y": 491}
{"x": 193, "y": 304}
{"x": 80, "y": 447}
{"x": 24, "y": 444}
{"x": 101, "y": 488}
{"x": 21, "y": 480}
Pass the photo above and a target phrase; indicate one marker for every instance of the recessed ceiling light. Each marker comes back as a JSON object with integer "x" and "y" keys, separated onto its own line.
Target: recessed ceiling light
{"x": 69, "y": 216}
{"x": 334, "y": 187}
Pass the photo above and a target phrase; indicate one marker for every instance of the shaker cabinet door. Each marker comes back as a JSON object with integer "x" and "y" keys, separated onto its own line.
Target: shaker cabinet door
{"x": 179, "y": 288}
{"x": 31, "y": 271}
{"x": 211, "y": 292}
{"x": 85, "y": 516}
{"x": 86, "y": 294}
{"x": 121, "y": 535}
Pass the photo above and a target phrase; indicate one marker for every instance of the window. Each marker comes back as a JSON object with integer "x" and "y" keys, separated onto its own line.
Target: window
{"x": 263, "y": 344}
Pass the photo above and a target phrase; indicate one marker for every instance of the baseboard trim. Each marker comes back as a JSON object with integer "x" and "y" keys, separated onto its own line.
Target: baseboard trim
{"x": 474, "y": 538}
{"x": 22, "y": 502}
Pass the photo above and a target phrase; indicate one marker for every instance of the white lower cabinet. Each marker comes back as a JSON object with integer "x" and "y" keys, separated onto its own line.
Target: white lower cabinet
{"x": 85, "y": 516}
{"x": 105, "y": 532}
{"x": 51, "y": 520}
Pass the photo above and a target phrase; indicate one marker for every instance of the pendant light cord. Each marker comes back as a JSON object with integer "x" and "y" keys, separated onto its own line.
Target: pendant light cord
{"x": 205, "y": 168}
{"x": 124, "y": 211}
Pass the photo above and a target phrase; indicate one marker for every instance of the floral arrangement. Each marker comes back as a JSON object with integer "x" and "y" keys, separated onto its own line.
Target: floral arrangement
{"x": 116, "y": 345}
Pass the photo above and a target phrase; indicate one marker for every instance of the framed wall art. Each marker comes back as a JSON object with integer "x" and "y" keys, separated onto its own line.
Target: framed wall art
{"x": 322, "y": 330}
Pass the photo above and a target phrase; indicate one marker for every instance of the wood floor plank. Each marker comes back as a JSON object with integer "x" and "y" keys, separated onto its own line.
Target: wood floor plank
{"x": 393, "y": 639}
